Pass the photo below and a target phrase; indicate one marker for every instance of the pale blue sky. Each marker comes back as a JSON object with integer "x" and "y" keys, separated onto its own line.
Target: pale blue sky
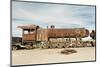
{"x": 42, "y": 14}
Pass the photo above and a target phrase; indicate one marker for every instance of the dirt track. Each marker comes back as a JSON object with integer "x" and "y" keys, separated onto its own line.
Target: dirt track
{"x": 42, "y": 56}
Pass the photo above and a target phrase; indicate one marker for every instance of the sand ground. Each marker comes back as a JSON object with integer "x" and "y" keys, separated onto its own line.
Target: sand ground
{"x": 42, "y": 56}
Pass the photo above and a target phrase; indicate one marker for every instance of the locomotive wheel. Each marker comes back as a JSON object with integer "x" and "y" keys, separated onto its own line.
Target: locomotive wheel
{"x": 48, "y": 47}
{"x": 83, "y": 45}
{"x": 63, "y": 46}
{"x": 92, "y": 44}
{"x": 42, "y": 47}
{"x": 14, "y": 48}
{"x": 56, "y": 47}
{"x": 29, "y": 46}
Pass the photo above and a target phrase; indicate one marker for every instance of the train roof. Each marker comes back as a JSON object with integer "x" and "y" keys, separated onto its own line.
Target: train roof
{"x": 34, "y": 26}
{"x": 27, "y": 27}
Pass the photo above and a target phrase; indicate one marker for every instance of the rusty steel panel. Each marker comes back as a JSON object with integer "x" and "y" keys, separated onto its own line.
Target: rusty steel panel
{"x": 70, "y": 33}
{"x": 29, "y": 37}
{"x": 27, "y": 27}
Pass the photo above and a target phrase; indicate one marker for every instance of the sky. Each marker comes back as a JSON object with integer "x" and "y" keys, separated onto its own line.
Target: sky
{"x": 44, "y": 14}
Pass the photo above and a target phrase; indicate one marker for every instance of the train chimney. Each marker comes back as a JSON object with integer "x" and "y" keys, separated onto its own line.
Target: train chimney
{"x": 52, "y": 26}
{"x": 47, "y": 27}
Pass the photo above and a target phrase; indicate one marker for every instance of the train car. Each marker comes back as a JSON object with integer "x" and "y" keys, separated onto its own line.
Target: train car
{"x": 33, "y": 34}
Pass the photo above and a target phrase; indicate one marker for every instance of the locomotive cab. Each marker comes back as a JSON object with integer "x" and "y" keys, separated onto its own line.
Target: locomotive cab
{"x": 29, "y": 35}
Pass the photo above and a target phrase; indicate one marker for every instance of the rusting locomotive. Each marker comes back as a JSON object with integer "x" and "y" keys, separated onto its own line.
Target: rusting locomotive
{"x": 34, "y": 36}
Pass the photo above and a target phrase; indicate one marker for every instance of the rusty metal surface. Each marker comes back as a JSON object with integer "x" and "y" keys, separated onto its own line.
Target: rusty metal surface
{"x": 29, "y": 37}
{"x": 27, "y": 27}
{"x": 68, "y": 33}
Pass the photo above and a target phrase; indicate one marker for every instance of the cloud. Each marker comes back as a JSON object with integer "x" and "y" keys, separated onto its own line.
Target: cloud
{"x": 64, "y": 16}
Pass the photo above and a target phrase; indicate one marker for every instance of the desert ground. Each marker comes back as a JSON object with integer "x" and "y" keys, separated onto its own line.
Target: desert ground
{"x": 42, "y": 56}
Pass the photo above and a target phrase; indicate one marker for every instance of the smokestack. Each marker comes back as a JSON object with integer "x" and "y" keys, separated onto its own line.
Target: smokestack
{"x": 47, "y": 27}
{"x": 52, "y": 26}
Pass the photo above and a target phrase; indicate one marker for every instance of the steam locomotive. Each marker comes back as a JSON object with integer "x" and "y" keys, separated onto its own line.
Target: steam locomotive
{"x": 35, "y": 37}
